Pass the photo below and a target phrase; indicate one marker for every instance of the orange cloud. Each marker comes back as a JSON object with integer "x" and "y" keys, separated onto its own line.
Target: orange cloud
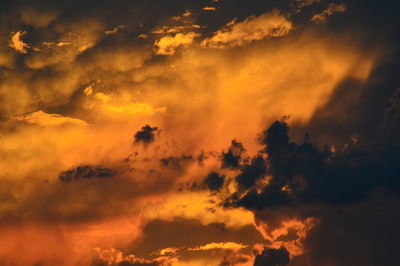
{"x": 17, "y": 43}
{"x": 289, "y": 234}
{"x": 194, "y": 205}
{"x": 168, "y": 44}
{"x": 44, "y": 119}
{"x": 271, "y": 24}
{"x": 209, "y": 8}
{"x": 221, "y": 245}
{"x": 166, "y": 251}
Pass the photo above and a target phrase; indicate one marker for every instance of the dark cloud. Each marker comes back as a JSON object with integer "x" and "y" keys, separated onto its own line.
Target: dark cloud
{"x": 146, "y": 134}
{"x": 251, "y": 172}
{"x": 177, "y": 162}
{"x": 272, "y": 257}
{"x": 234, "y": 258}
{"x": 232, "y": 158}
{"x": 352, "y": 192}
{"x": 214, "y": 181}
{"x": 303, "y": 174}
{"x": 86, "y": 172}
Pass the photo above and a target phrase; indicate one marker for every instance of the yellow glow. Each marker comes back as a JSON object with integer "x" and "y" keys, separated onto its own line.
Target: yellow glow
{"x": 44, "y": 119}
{"x": 221, "y": 245}
{"x": 168, "y": 44}
{"x": 253, "y": 28}
{"x": 195, "y": 205}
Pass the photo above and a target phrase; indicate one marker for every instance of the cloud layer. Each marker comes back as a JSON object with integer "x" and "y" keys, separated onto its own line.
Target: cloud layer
{"x": 199, "y": 133}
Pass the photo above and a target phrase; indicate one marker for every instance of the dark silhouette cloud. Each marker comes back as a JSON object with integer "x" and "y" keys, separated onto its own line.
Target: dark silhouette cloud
{"x": 305, "y": 173}
{"x": 146, "y": 135}
{"x": 232, "y": 158}
{"x": 86, "y": 172}
{"x": 251, "y": 172}
{"x": 272, "y": 257}
{"x": 214, "y": 181}
{"x": 178, "y": 163}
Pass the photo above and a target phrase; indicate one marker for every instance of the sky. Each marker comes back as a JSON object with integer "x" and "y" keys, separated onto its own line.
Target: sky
{"x": 199, "y": 133}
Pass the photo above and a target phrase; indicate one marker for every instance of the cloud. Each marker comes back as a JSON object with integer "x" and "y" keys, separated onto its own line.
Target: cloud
{"x": 114, "y": 257}
{"x": 17, "y": 43}
{"x": 271, "y": 24}
{"x": 329, "y": 11}
{"x": 86, "y": 172}
{"x": 226, "y": 245}
{"x": 272, "y": 257}
{"x": 304, "y": 3}
{"x": 198, "y": 206}
{"x": 304, "y": 174}
{"x": 209, "y": 8}
{"x": 167, "y": 45}
{"x": 252, "y": 172}
{"x": 159, "y": 234}
{"x": 44, "y": 119}
{"x": 147, "y": 134}
{"x": 232, "y": 158}
{"x": 334, "y": 205}
{"x": 214, "y": 181}
{"x": 166, "y": 251}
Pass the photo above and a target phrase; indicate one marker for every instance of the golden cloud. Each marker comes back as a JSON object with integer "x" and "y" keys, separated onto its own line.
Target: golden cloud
{"x": 17, "y": 43}
{"x": 168, "y": 44}
{"x": 194, "y": 205}
{"x": 209, "y": 8}
{"x": 271, "y": 24}
{"x": 44, "y": 119}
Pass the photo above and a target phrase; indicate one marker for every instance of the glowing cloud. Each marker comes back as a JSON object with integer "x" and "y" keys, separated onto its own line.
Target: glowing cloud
{"x": 281, "y": 236}
{"x": 195, "y": 206}
{"x": 45, "y": 119}
{"x": 168, "y": 44}
{"x": 271, "y": 24}
{"x": 330, "y": 10}
{"x": 17, "y": 43}
{"x": 209, "y": 8}
{"x": 166, "y": 251}
{"x": 221, "y": 245}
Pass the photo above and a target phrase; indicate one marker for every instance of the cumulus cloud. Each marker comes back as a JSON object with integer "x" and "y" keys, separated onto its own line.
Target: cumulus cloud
{"x": 254, "y": 28}
{"x": 167, "y": 45}
{"x": 303, "y": 174}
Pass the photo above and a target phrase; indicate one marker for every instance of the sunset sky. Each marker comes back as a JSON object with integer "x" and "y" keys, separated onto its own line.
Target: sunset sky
{"x": 199, "y": 133}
